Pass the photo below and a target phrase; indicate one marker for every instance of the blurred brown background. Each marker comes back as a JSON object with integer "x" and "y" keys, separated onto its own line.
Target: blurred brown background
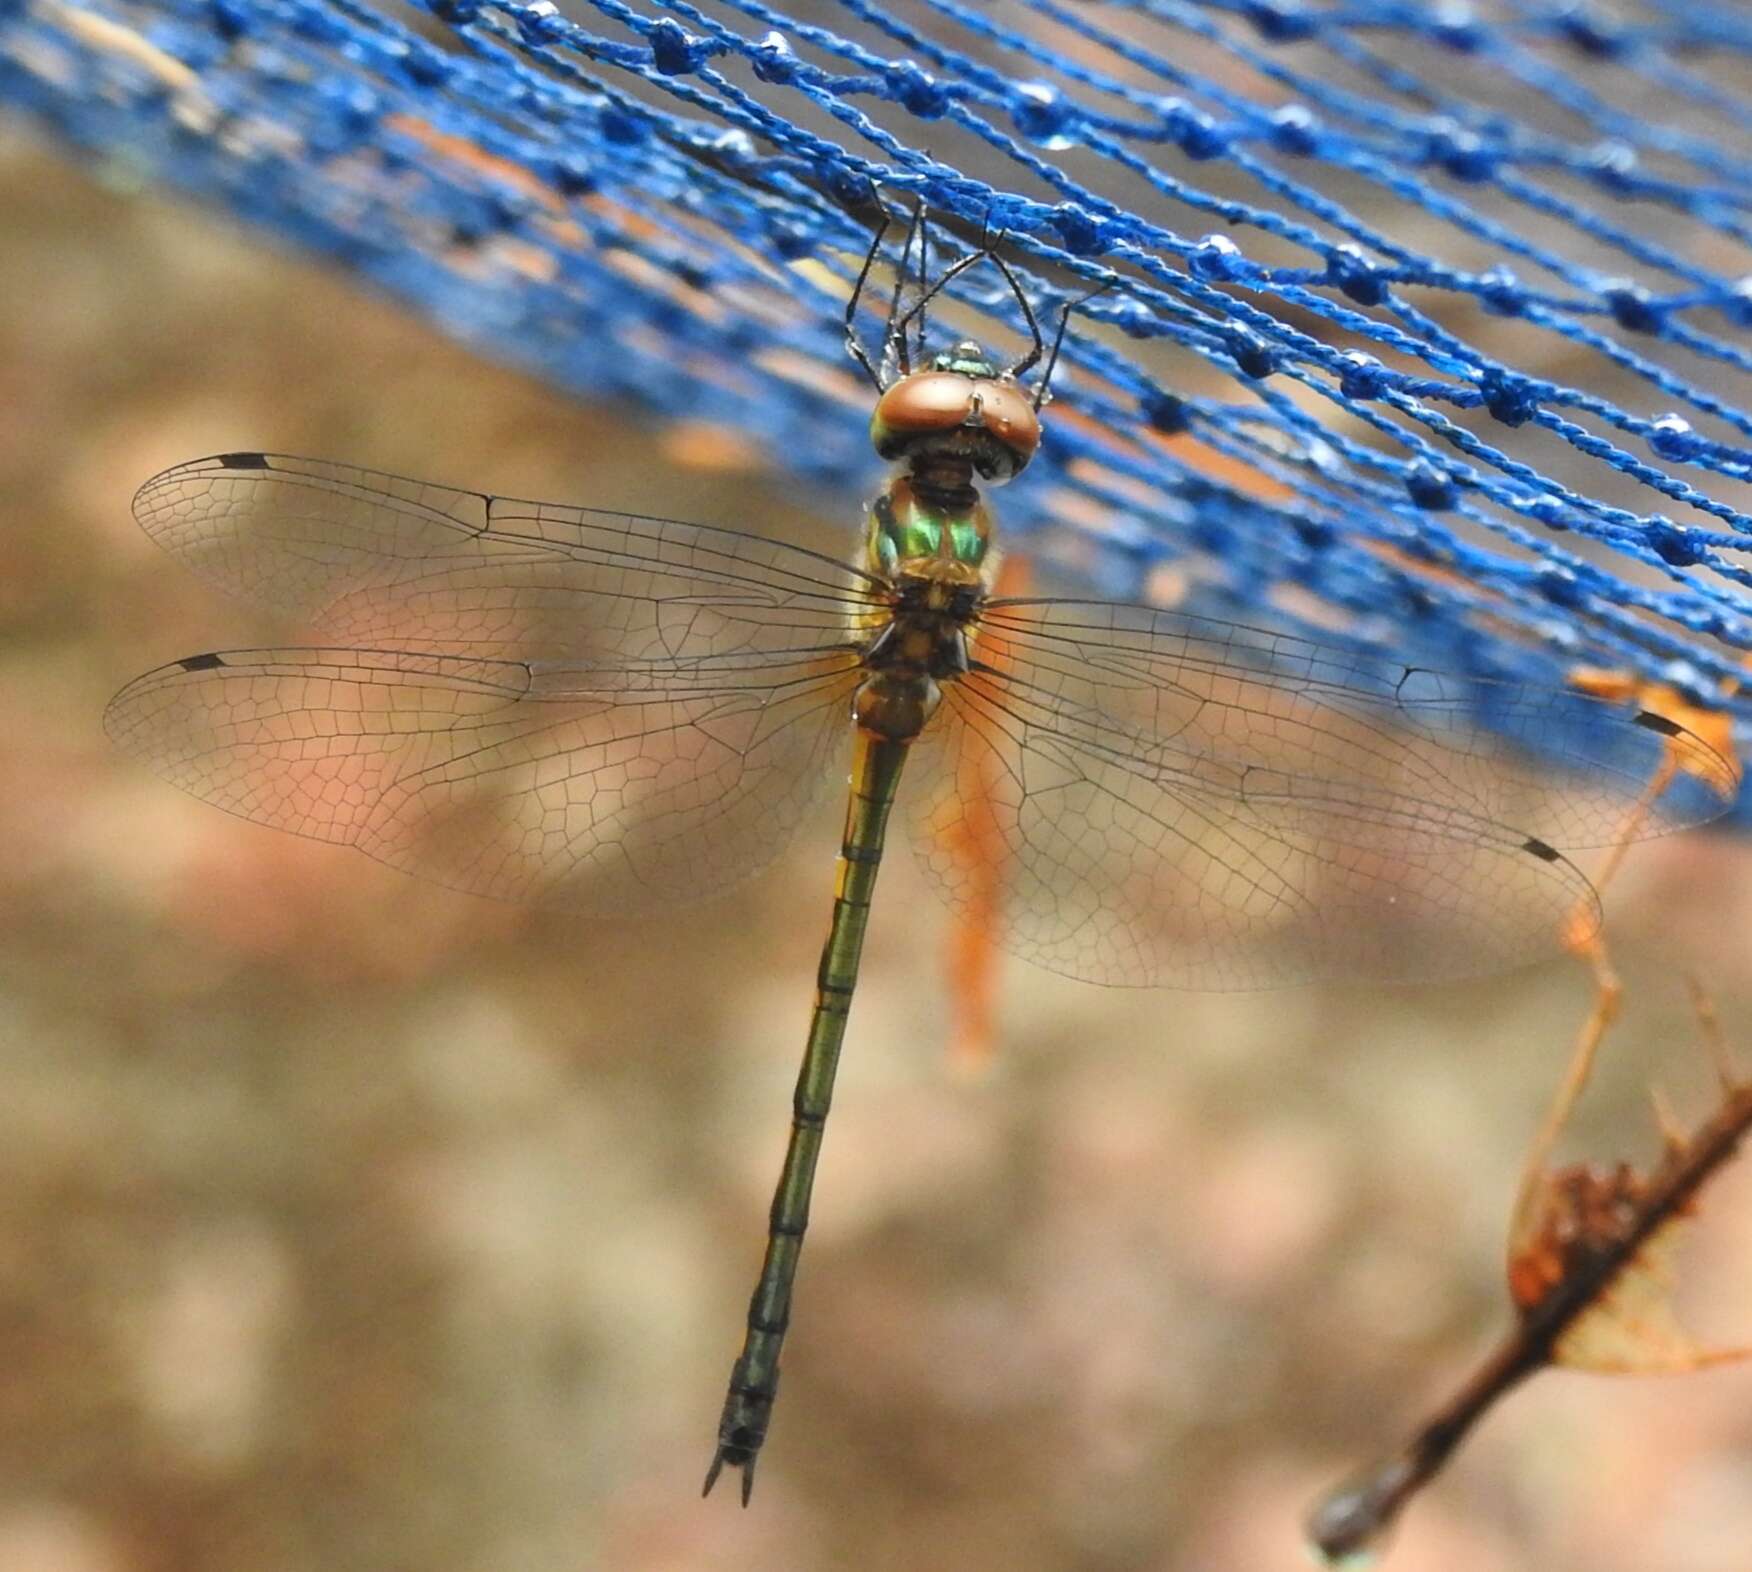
{"x": 346, "y": 1223}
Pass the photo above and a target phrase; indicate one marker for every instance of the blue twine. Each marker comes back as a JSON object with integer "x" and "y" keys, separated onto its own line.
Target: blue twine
{"x": 1465, "y": 289}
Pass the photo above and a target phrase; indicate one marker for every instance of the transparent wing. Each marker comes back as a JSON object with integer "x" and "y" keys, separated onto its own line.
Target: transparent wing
{"x": 1192, "y": 803}
{"x": 382, "y": 562}
{"x": 522, "y": 699}
{"x": 608, "y": 789}
{"x": 1562, "y": 764}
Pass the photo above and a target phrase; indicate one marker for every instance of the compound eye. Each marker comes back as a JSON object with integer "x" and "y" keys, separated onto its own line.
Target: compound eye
{"x": 1007, "y": 415}
{"x": 931, "y": 404}
{"x": 925, "y": 404}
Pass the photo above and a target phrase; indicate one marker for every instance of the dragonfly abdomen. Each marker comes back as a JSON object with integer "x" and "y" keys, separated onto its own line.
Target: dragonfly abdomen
{"x": 894, "y": 705}
{"x": 754, "y": 1380}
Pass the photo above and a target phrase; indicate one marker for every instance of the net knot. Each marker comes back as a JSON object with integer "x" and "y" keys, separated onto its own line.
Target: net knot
{"x": 230, "y": 20}
{"x": 539, "y": 21}
{"x": 1295, "y": 128}
{"x": 1562, "y": 587}
{"x": 1253, "y": 355}
{"x": 1166, "y": 412}
{"x": 1355, "y": 275}
{"x": 1193, "y": 131}
{"x": 1510, "y": 397}
{"x": 1218, "y": 259}
{"x": 1672, "y": 437}
{"x": 1281, "y": 21}
{"x": 1674, "y": 543}
{"x": 775, "y": 61}
{"x": 1081, "y": 232}
{"x": 915, "y": 89}
{"x": 1585, "y": 29}
{"x": 674, "y": 50}
{"x": 1613, "y": 165}
{"x": 1502, "y": 293}
{"x": 1044, "y": 115}
{"x": 1361, "y": 375}
{"x": 1633, "y": 307}
{"x": 1456, "y": 27}
{"x": 573, "y": 174}
{"x": 1462, "y": 153}
{"x": 1432, "y": 489}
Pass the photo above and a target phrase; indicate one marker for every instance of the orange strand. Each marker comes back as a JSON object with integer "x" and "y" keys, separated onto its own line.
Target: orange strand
{"x": 975, "y": 843}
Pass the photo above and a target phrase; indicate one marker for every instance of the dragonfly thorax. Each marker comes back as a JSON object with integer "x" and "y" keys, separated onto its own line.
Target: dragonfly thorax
{"x": 922, "y": 645}
{"x": 928, "y": 531}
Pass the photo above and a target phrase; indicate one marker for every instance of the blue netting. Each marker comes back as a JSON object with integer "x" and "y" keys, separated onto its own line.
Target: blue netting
{"x": 1430, "y": 324}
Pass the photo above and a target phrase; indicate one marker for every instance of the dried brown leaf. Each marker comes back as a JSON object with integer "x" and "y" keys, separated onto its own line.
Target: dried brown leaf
{"x": 1592, "y": 1266}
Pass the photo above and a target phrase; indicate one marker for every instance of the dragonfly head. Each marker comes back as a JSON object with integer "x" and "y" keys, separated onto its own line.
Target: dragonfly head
{"x": 961, "y": 409}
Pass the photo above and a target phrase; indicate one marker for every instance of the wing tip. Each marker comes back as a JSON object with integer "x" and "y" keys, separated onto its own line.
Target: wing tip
{"x": 145, "y": 501}
{"x": 1717, "y": 771}
{"x": 118, "y": 719}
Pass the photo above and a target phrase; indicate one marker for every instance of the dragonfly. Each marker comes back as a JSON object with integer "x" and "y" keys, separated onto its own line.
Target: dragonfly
{"x": 615, "y": 712}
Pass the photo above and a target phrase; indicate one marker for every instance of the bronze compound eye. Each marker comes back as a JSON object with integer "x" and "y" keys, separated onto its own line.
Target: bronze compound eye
{"x": 936, "y": 403}
{"x": 1010, "y": 417}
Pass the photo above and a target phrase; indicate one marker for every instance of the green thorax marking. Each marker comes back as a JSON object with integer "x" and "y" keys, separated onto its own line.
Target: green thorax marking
{"x": 905, "y": 528}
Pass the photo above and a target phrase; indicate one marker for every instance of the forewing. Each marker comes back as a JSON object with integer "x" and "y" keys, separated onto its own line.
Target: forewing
{"x": 1205, "y": 806}
{"x": 609, "y": 790}
{"x": 375, "y": 560}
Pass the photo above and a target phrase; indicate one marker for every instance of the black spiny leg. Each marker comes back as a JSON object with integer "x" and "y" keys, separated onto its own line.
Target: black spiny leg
{"x": 949, "y": 274}
{"x": 894, "y": 335}
{"x": 1033, "y": 355}
{"x": 924, "y": 271}
{"x": 1043, "y": 388}
{"x": 854, "y": 346}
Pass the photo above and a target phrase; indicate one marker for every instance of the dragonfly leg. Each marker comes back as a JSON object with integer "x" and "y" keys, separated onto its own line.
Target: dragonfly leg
{"x": 1043, "y": 388}
{"x": 754, "y": 1379}
{"x": 1028, "y": 361}
{"x": 855, "y": 345}
{"x": 898, "y": 327}
{"x": 894, "y": 343}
